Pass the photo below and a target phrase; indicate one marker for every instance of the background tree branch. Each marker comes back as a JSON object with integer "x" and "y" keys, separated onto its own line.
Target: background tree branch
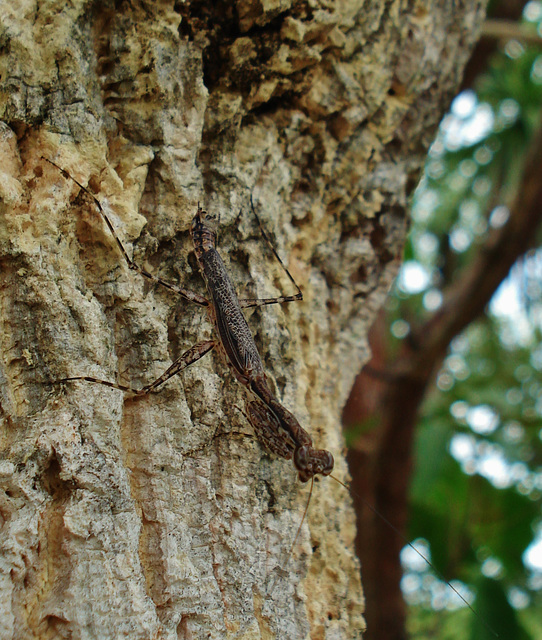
{"x": 391, "y": 386}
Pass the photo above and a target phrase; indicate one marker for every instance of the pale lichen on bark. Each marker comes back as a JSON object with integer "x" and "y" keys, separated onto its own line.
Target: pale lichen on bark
{"x": 147, "y": 518}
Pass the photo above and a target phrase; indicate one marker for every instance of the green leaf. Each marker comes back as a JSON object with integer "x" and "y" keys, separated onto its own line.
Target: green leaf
{"x": 495, "y": 618}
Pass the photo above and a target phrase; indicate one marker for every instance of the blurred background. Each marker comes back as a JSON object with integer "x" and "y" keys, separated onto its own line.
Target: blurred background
{"x": 444, "y": 424}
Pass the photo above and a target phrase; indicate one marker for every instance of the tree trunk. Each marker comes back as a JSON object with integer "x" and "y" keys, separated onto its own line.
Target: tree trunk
{"x": 161, "y": 516}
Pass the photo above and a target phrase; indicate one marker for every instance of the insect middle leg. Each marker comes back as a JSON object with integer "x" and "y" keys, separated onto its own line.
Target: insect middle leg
{"x": 186, "y": 359}
{"x": 260, "y": 302}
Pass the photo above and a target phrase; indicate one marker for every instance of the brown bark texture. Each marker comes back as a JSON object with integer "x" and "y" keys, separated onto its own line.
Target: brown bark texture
{"x": 162, "y": 516}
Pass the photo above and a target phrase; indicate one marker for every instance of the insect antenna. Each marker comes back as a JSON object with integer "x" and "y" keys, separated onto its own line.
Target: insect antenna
{"x": 407, "y": 542}
{"x": 301, "y": 523}
{"x": 279, "y": 570}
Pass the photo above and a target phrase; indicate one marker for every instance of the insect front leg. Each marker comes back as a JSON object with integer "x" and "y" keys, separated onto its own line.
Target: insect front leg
{"x": 268, "y": 430}
{"x": 310, "y": 461}
{"x": 277, "y": 431}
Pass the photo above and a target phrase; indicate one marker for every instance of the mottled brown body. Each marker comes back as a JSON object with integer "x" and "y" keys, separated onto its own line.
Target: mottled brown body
{"x": 225, "y": 310}
{"x": 275, "y": 426}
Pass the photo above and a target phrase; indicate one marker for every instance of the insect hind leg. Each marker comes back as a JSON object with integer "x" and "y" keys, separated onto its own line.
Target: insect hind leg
{"x": 196, "y": 298}
{"x": 260, "y": 302}
{"x": 186, "y": 359}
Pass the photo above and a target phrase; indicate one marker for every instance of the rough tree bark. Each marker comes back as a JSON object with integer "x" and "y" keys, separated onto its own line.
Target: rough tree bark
{"x": 156, "y": 517}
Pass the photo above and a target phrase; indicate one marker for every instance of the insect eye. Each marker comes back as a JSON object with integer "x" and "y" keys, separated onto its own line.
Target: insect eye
{"x": 302, "y": 457}
{"x": 327, "y": 463}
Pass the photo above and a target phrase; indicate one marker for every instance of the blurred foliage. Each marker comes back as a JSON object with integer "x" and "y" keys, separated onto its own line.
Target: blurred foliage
{"x": 477, "y": 488}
